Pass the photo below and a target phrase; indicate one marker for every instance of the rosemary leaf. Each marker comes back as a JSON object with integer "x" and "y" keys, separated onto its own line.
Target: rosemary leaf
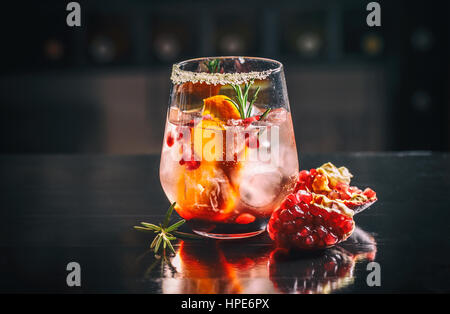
{"x": 158, "y": 242}
{"x": 139, "y": 228}
{"x": 264, "y": 115}
{"x": 170, "y": 246}
{"x": 175, "y": 225}
{"x": 255, "y": 96}
{"x": 151, "y": 226}
{"x": 152, "y": 245}
{"x": 168, "y": 214}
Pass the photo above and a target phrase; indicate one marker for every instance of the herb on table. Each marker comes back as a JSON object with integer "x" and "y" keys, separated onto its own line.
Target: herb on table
{"x": 165, "y": 233}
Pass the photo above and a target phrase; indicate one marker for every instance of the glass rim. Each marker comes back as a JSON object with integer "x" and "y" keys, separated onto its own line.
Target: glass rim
{"x": 180, "y": 76}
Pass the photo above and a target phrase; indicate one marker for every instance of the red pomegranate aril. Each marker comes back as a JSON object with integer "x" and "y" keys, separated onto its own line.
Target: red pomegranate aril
{"x": 342, "y": 187}
{"x": 285, "y": 215}
{"x": 297, "y": 211}
{"x": 250, "y": 120}
{"x": 304, "y": 232}
{"x": 170, "y": 140}
{"x": 330, "y": 239}
{"x": 369, "y": 193}
{"x": 347, "y": 226}
{"x": 303, "y": 175}
{"x": 245, "y": 218}
{"x": 192, "y": 164}
{"x": 289, "y": 227}
{"x": 251, "y": 141}
{"x": 321, "y": 231}
{"x": 308, "y": 240}
{"x": 290, "y": 201}
{"x": 304, "y": 196}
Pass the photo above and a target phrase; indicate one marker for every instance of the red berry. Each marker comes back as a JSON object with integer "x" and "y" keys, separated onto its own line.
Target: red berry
{"x": 245, "y": 219}
{"x": 192, "y": 164}
{"x": 369, "y": 193}
{"x": 247, "y": 121}
{"x": 170, "y": 140}
{"x": 304, "y": 196}
{"x": 251, "y": 141}
{"x": 303, "y": 175}
{"x": 304, "y": 232}
{"x": 330, "y": 239}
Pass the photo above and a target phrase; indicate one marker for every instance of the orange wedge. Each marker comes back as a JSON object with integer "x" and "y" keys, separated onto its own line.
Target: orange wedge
{"x": 220, "y": 107}
{"x": 208, "y": 137}
{"x": 205, "y": 193}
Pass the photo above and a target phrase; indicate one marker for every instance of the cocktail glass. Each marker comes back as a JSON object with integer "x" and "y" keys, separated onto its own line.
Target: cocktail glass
{"x": 229, "y": 156}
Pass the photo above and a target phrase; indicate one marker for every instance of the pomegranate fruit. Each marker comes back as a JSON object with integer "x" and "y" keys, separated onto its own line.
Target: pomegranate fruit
{"x": 334, "y": 183}
{"x": 308, "y": 221}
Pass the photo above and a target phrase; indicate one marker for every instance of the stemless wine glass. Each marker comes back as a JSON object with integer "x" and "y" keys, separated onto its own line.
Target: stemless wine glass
{"x": 229, "y": 156}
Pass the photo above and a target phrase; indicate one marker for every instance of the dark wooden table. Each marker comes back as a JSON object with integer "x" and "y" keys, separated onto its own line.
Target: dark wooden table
{"x": 59, "y": 209}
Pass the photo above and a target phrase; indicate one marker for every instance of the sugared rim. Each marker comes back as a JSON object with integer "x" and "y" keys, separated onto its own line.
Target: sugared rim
{"x": 180, "y": 76}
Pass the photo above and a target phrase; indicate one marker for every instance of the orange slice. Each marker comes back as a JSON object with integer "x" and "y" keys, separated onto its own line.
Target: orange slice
{"x": 205, "y": 193}
{"x": 220, "y": 107}
{"x": 208, "y": 137}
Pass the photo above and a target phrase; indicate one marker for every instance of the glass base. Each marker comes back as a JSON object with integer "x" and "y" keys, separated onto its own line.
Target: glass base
{"x": 224, "y": 231}
{"x": 228, "y": 236}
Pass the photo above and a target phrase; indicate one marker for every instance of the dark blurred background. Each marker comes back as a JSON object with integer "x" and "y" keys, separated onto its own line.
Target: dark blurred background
{"x": 104, "y": 87}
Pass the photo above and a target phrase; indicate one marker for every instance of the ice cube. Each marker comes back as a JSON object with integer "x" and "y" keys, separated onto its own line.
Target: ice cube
{"x": 177, "y": 116}
{"x": 260, "y": 184}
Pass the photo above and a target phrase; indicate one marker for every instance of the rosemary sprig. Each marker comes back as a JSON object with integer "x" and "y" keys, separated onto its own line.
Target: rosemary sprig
{"x": 241, "y": 100}
{"x": 264, "y": 115}
{"x": 213, "y": 65}
{"x": 165, "y": 233}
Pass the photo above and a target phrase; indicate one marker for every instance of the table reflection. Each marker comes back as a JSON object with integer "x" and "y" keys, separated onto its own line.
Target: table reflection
{"x": 216, "y": 267}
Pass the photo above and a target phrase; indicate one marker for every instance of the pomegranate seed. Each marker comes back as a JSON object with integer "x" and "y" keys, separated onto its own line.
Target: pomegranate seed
{"x": 245, "y": 218}
{"x": 304, "y": 196}
{"x": 290, "y": 201}
{"x": 251, "y": 141}
{"x": 369, "y": 193}
{"x": 170, "y": 139}
{"x": 192, "y": 164}
{"x": 308, "y": 240}
{"x": 303, "y": 175}
{"x": 304, "y": 232}
{"x": 298, "y": 212}
{"x": 321, "y": 231}
{"x": 247, "y": 121}
{"x": 330, "y": 239}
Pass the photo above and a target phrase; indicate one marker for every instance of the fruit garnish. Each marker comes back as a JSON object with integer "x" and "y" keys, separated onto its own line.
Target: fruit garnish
{"x": 205, "y": 193}
{"x": 220, "y": 107}
{"x": 208, "y": 138}
{"x": 165, "y": 233}
{"x": 307, "y": 221}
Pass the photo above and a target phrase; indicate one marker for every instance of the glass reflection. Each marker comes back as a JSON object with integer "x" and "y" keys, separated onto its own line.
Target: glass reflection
{"x": 216, "y": 267}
